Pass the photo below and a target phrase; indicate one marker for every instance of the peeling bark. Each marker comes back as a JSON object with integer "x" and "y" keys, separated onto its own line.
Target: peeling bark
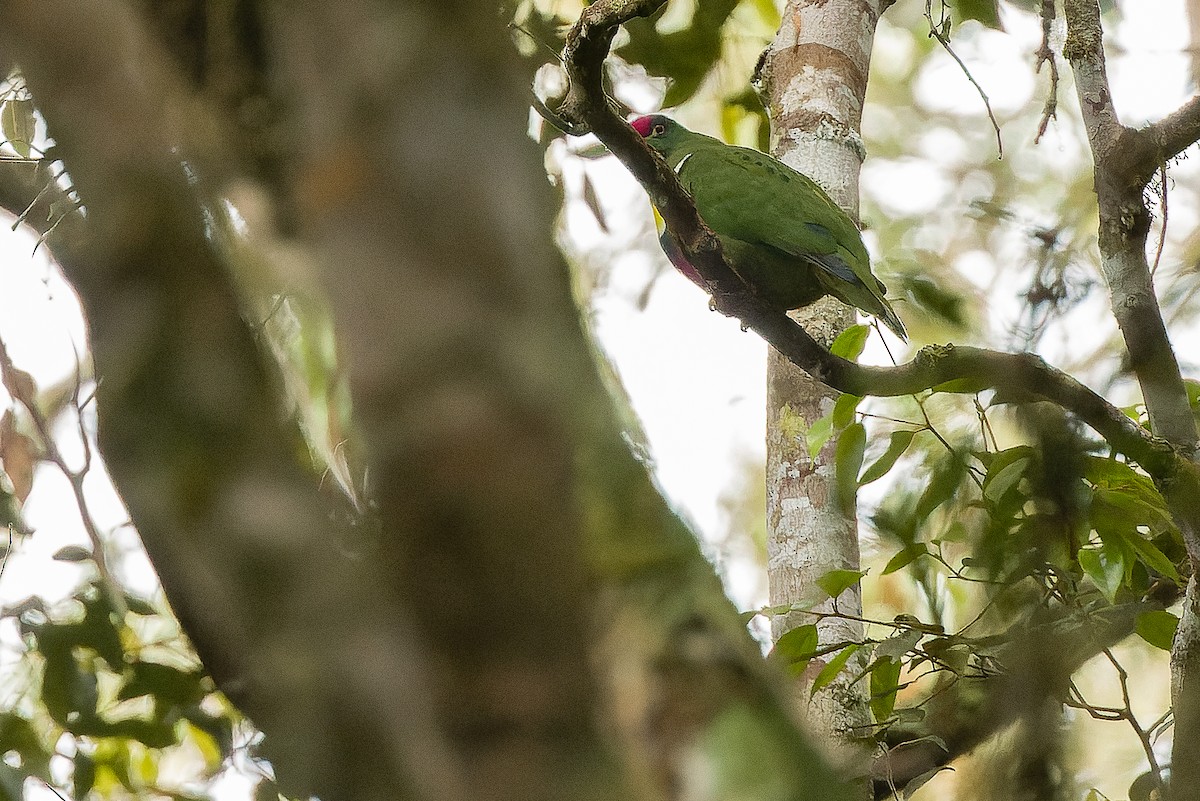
{"x": 814, "y": 79}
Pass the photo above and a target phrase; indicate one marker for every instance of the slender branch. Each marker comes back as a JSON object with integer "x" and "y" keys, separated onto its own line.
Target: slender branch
{"x": 587, "y": 47}
{"x": 936, "y": 31}
{"x": 1143, "y": 735}
{"x": 23, "y": 393}
{"x": 1125, "y": 161}
{"x": 1045, "y": 55}
{"x": 1137, "y": 153}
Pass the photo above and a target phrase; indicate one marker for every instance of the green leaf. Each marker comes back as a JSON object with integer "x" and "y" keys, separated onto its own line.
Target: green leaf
{"x": 1144, "y": 786}
{"x": 951, "y": 651}
{"x": 835, "y": 582}
{"x": 151, "y": 733}
{"x": 830, "y": 671}
{"x": 935, "y": 300}
{"x": 796, "y": 648}
{"x": 17, "y": 123}
{"x": 1106, "y": 568}
{"x": 73, "y": 553}
{"x": 1152, "y": 557}
{"x": 98, "y": 630}
{"x": 885, "y": 678}
{"x": 1113, "y": 475}
{"x": 1117, "y": 546}
{"x": 905, "y": 557}
{"x": 843, "y": 410}
{"x": 167, "y": 684}
{"x": 217, "y": 727}
{"x": 84, "y": 777}
{"x": 139, "y": 606}
{"x": 916, "y": 783}
{"x": 818, "y": 434}
{"x": 1129, "y": 506}
{"x": 850, "y": 343}
{"x": 946, "y": 478}
{"x": 1005, "y": 471}
{"x": 985, "y": 11}
{"x": 962, "y": 386}
{"x": 66, "y": 686}
{"x": 899, "y": 644}
{"x": 899, "y": 443}
{"x": 851, "y": 446}
{"x": 684, "y": 54}
{"x": 1192, "y": 387}
{"x": 1157, "y": 628}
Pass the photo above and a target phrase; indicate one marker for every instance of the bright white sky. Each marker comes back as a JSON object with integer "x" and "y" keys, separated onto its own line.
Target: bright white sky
{"x": 696, "y": 381}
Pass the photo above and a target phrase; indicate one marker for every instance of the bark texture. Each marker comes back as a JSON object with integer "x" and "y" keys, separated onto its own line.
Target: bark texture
{"x": 1125, "y": 160}
{"x": 814, "y": 79}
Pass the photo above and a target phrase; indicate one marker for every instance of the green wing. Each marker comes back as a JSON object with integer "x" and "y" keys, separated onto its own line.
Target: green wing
{"x": 751, "y": 197}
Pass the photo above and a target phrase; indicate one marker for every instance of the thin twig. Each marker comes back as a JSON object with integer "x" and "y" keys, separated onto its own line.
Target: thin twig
{"x": 1142, "y": 734}
{"x": 516, "y": 26}
{"x": 54, "y": 789}
{"x": 1045, "y": 55}
{"x": 54, "y": 456}
{"x": 21, "y": 217}
{"x": 935, "y": 30}
{"x": 986, "y": 425}
{"x": 972, "y": 471}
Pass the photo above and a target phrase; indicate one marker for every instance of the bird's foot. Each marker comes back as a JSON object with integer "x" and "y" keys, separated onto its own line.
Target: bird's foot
{"x": 732, "y": 304}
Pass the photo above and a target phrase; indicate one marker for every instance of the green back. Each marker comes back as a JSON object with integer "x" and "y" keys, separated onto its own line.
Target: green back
{"x": 788, "y": 212}
{"x": 759, "y": 201}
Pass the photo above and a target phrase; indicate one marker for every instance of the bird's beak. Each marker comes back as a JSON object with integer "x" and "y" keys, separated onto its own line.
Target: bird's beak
{"x": 660, "y": 224}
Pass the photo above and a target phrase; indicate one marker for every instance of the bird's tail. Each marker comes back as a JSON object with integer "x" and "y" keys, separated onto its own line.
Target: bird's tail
{"x": 889, "y": 318}
{"x": 859, "y": 294}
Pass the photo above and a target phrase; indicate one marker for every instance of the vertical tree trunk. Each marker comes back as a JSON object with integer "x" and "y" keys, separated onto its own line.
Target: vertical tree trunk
{"x": 814, "y": 77}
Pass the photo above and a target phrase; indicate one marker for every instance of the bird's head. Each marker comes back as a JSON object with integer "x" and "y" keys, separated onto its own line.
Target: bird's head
{"x": 661, "y": 133}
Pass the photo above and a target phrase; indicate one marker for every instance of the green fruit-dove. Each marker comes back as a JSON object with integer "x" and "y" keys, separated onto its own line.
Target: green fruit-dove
{"x": 778, "y": 229}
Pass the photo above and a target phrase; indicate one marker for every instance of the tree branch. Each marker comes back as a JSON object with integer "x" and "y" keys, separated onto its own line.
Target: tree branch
{"x": 1014, "y": 376}
{"x": 1121, "y": 151}
{"x": 1178, "y": 131}
{"x": 1125, "y": 159}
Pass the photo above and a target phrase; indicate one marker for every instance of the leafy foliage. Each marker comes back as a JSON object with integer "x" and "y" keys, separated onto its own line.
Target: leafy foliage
{"x": 123, "y": 689}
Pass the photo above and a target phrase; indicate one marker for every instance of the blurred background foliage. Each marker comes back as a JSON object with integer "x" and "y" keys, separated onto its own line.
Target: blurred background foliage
{"x": 992, "y": 530}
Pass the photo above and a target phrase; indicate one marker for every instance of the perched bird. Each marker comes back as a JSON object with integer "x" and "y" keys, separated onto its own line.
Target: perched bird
{"x": 778, "y": 229}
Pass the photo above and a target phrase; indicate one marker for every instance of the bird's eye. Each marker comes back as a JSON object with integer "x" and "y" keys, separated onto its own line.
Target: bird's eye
{"x": 658, "y": 130}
